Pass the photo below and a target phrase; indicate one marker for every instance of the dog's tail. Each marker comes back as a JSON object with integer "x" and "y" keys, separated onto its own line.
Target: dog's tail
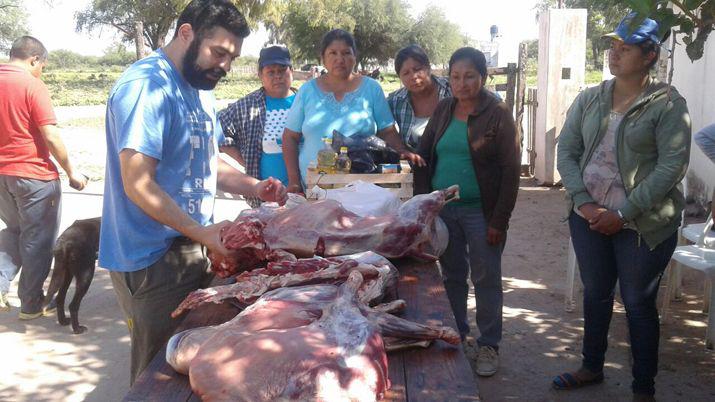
{"x": 58, "y": 273}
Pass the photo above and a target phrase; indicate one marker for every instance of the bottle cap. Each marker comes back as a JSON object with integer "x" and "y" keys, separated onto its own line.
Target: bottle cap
{"x": 328, "y": 140}
{"x": 343, "y": 149}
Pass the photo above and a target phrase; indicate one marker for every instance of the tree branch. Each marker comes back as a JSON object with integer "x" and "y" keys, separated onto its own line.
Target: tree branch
{"x": 687, "y": 12}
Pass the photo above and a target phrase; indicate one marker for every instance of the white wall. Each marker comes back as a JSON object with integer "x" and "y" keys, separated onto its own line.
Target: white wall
{"x": 562, "y": 44}
{"x": 696, "y": 82}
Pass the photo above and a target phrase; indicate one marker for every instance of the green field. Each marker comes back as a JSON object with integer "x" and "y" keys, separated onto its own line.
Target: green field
{"x": 91, "y": 87}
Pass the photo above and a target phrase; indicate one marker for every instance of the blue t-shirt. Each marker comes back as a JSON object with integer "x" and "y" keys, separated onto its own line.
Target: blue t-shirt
{"x": 154, "y": 111}
{"x": 272, "y": 164}
{"x": 316, "y": 114}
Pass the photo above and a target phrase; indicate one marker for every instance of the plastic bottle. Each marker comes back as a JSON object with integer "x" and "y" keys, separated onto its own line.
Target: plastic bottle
{"x": 327, "y": 157}
{"x": 343, "y": 163}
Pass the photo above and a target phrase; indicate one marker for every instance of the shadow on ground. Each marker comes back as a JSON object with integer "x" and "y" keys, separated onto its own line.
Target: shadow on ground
{"x": 542, "y": 340}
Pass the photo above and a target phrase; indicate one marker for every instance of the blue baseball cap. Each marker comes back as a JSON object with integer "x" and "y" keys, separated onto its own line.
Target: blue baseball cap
{"x": 632, "y": 35}
{"x": 274, "y": 55}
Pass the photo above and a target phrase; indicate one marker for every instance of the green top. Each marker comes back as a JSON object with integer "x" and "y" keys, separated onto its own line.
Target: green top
{"x": 454, "y": 165}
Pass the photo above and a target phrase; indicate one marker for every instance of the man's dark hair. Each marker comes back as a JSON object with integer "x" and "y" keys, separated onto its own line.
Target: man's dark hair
{"x": 337, "y": 35}
{"x": 205, "y": 15}
{"x": 26, "y": 47}
{"x": 413, "y": 52}
{"x": 473, "y": 56}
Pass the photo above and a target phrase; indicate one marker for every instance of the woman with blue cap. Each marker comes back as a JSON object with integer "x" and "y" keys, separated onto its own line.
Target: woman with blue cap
{"x": 622, "y": 152}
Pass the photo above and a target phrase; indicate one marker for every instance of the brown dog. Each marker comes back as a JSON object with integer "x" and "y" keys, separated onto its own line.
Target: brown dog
{"x": 75, "y": 255}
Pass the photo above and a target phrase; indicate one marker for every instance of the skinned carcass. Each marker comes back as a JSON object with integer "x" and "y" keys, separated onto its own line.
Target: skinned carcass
{"x": 325, "y": 228}
{"x": 380, "y": 277}
{"x": 316, "y": 342}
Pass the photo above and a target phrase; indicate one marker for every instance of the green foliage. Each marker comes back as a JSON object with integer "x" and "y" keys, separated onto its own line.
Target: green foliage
{"x": 64, "y": 59}
{"x": 156, "y": 15}
{"x": 306, "y": 21}
{"x": 695, "y": 19}
{"x": 13, "y": 21}
{"x": 380, "y": 27}
{"x": 437, "y": 35}
{"x": 117, "y": 55}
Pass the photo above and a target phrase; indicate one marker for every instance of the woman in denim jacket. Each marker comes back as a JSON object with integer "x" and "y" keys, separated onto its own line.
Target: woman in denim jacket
{"x": 622, "y": 152}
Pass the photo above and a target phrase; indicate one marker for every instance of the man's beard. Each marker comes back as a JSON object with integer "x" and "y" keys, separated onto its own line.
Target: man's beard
{"x": 194, "y": 74}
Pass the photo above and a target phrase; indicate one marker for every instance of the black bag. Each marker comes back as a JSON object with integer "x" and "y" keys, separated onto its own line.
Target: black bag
{"x": 366, "y": 153}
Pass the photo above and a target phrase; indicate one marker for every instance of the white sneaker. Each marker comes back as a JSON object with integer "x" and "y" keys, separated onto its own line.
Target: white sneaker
{"x": 487, "y": 361}
{"x": 4, "y": 303}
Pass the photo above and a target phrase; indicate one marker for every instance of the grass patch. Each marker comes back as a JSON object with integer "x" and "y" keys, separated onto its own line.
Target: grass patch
{"x": 84, "y": 87}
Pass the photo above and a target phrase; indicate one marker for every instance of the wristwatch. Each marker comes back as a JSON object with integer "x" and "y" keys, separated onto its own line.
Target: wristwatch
{"x": 620, "y": 215}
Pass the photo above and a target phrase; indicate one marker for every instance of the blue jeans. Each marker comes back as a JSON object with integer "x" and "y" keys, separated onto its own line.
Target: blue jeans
{"x": 468, "y": 254}
{"x": 30, "y": 210}
{"x": 625, "y": 258}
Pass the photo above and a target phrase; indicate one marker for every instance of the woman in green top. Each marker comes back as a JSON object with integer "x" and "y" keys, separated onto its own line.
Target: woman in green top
{"x": 471, "y": 141}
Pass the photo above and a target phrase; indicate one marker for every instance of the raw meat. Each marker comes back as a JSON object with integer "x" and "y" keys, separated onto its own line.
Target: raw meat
{"x": 381, "y": 277}
{"x": 316, "y": 342}
{"x": 325, "y": 228}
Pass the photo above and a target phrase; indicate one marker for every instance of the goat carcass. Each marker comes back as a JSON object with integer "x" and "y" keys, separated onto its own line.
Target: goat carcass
{"x": 317, "y": 342}
{"x": 325, "y": 228}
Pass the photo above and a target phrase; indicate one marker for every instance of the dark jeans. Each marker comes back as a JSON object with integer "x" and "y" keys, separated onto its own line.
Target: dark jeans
{"x": 148, "y": 296}
{"x": 468, "y": 255}
{"x": 626, "y": 258}
{"x": 30, "y": 210}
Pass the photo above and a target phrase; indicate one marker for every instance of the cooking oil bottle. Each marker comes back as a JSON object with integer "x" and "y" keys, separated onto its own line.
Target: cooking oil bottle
{"x": 327, "y": 157}
{"x": 343, "y": 164}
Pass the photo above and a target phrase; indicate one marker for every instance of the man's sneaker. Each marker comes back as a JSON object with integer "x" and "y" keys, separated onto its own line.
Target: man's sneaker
{"x": 4, "y": 303}
{"x": 47, "y": 311}
{"x": 29, "y": 316}
{"x": 487, "y": 361}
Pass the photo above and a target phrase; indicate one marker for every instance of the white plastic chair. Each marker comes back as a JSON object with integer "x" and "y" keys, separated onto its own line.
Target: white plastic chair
{"x": 699, "y": 256}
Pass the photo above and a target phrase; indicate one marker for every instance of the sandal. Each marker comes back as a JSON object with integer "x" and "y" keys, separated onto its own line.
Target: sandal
{"x": 567, "y": 381}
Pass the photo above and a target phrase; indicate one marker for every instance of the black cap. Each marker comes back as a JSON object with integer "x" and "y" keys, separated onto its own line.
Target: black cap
{"x": 274, "y": 55}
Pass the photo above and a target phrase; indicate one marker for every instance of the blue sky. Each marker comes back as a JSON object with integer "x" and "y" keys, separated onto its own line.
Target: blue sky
{"x": 54, "y": 26}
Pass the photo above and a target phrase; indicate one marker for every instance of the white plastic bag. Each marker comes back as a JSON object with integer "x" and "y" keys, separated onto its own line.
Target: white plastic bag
{"x": 365, "y": 199}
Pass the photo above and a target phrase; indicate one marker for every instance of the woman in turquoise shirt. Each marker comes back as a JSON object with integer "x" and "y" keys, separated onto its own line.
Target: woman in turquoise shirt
{"x": 339, "y": 100}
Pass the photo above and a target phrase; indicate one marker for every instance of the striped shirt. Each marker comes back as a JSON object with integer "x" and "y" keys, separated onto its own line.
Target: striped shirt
{"x": 243, "y": 125}
{"x": 404, "y": 114}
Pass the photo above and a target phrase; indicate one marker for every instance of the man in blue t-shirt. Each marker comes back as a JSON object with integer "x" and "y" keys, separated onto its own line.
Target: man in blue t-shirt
{"x": 253, "y": 125}
{"x": 163, "y": 171}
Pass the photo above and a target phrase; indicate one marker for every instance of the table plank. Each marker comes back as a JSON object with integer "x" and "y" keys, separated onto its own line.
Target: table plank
{"x": 440, "y": 372}
{"x": 159, "y": 381}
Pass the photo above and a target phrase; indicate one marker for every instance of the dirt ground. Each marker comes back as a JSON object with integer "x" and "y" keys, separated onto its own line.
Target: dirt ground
{"x": 46, "y": 362}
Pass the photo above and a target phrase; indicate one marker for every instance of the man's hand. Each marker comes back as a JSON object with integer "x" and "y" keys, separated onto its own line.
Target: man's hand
{"x": 272, "y": 190}
{"x": 591, "y": 210}
{"x": 78, "y": 181}
{"x": 295, "y": 188}
{"x": 414, "y": 158}
{"x": 210, "y": 236}
{"x": 494, "y": 236}
{"x": 607, "y": 223}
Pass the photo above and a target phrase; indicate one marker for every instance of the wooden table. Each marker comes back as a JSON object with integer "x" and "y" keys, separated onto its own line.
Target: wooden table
{"x": 438, "y": 373}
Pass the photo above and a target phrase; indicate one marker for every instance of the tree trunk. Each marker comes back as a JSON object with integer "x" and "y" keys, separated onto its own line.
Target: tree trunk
{"x": 139, "y": 39}
{"x": 596, "y": 52}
